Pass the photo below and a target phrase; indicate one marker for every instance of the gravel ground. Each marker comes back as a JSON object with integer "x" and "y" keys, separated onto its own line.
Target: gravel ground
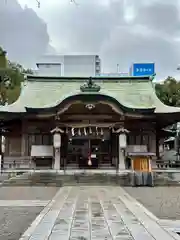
{"x": 163, "y": 202}
{"x": 15, "y": 220}
{"x": 27, "y": 193}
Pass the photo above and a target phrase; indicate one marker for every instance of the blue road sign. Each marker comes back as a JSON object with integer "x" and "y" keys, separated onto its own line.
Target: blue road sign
{"x": 143, "y": 69}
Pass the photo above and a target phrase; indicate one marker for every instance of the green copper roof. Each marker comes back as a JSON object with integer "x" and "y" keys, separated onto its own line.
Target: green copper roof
{"x": 135, "y": 94}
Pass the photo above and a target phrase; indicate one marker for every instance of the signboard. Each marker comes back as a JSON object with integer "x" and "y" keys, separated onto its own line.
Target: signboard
{"x": 143, "y": 69}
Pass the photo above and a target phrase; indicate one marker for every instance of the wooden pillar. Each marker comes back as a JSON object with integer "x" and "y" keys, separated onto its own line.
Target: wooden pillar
{"x": 23, "y": 140}
{"x": 1, "y": 153}
{"x": 23, "y": 145}
{"x": 64, "y": 150}
{"x": 157, "y": 141}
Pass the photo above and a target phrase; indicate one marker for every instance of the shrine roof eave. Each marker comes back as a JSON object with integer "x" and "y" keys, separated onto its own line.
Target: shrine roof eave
{"x": 89, "y": 98}
{"x": 83, "y": 79}
{"x": 6, "y": 116}
{"x": 163, "y": 133}
{"x": 44, "y": 94}
{"x": 167, "y": 119}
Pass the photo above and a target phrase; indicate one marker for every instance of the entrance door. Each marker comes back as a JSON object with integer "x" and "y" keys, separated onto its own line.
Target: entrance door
{"x": 89, "y": 153}
{"x": 101, "y": 150}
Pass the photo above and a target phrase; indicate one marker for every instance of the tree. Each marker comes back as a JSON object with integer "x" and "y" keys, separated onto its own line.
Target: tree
{"x": 169, "y": 92}
{"x": 11, "y": 77}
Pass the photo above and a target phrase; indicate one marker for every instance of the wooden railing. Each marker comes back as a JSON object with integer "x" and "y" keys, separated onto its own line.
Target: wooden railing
{"x": 17, "y": 162}
{"x": 167, "y": 164}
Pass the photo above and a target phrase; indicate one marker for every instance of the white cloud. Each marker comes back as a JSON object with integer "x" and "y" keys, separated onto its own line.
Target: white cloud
{"x": 121, "y": 31}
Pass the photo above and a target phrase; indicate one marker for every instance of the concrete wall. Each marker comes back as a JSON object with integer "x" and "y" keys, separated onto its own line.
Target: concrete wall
{"x": 68, "y": 65}
{"x": 79, "y": 66}
{"x": 50, "y": 69}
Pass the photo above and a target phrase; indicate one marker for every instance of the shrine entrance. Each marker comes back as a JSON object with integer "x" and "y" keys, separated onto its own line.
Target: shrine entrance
{"x": 89, "y": 152}
{"x": 87, "y": 124}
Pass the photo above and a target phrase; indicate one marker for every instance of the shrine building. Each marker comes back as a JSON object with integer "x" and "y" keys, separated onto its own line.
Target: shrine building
{"x": 80, "y": 122}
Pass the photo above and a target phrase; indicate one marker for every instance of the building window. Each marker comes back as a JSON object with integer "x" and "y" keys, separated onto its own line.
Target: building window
{"x": 47, "y": 139}
{"x": 39, "y": 139}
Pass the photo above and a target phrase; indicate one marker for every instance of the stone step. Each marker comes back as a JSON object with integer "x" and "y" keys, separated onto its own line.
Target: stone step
{"x": 45, "y": 179}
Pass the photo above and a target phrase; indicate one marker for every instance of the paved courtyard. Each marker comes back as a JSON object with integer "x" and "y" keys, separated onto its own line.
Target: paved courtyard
{"x": 95, "y": 213}
{"x": 77, "y": 213}
{"x": 163, "y": 202}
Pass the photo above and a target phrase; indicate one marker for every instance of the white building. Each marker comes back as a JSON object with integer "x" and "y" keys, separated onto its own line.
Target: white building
{"x": 69, "y": 65}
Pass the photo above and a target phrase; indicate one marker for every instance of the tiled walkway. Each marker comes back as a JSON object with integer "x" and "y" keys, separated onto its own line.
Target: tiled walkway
{"x": 94, "y": 213}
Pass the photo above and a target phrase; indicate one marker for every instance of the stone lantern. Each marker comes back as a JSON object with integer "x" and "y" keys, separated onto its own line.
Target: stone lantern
{"x": 122, "y": 140}
{"x": 122, "y": 146}
{"x": 57, "y": 145}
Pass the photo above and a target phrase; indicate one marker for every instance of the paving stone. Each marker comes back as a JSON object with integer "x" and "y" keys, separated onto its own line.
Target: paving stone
{"x": 94, "y": 213}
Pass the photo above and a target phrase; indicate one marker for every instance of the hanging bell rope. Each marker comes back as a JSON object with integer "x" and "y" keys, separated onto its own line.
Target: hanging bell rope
{"x": 89, "y": 161}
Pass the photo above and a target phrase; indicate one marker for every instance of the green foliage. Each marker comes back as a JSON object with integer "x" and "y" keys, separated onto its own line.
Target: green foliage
{"x": 11, "y": 77}
{"x": 3, "y": 60}
{"x": 169, "y": 92}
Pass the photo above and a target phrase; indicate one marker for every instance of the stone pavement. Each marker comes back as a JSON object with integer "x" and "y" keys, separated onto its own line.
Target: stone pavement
{"x": 95, "y": 213}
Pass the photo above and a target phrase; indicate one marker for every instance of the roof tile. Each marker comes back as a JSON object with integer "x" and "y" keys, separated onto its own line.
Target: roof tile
{"x": 132, "y": 94}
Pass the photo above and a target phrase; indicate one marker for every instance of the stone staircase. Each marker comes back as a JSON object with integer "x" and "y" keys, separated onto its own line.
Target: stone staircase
{"x": 55, "y": 179}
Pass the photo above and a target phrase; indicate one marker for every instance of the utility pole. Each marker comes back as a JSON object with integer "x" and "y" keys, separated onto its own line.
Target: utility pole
{"x": 177, "y": 138}
{"x": 177, "y": 141}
